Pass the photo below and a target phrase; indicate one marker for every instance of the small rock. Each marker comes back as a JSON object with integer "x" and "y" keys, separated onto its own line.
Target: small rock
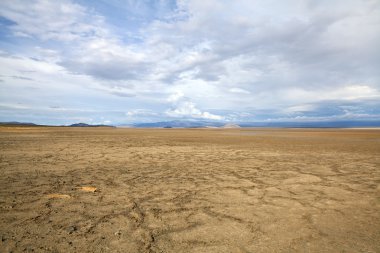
{"x": 71, "y": 229}
{"x": 88, "y": 189}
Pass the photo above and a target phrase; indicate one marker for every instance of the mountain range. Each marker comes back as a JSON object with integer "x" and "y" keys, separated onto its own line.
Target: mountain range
{"x": 197, "y": 124}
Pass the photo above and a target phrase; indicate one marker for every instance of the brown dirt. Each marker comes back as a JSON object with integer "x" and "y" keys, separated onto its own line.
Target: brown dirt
{"x": 189, "y": 190}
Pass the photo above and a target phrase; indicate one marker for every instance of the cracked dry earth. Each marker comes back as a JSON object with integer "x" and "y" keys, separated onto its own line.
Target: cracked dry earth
{"x": 189, "y": 190}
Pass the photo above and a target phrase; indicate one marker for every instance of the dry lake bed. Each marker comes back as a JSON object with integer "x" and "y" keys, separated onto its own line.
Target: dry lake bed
{"x": 189, "y": 190}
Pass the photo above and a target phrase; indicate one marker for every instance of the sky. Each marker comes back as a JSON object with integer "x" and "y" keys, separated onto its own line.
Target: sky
{"x": 126, "y": 61}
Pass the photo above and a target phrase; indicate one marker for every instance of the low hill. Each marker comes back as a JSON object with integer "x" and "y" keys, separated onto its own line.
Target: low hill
{"x": 87, "y": 125}
{"x": 16, "y": 123}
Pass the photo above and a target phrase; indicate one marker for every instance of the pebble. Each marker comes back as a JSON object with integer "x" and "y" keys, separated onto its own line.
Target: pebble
{"x": 71, "y": 229}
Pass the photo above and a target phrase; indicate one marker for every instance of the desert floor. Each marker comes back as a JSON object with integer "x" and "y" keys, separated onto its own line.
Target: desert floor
{"x": 189, "y": 190}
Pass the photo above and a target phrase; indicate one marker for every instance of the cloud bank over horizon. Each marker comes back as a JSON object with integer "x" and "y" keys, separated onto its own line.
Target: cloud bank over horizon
{"x": 125, "y": 61}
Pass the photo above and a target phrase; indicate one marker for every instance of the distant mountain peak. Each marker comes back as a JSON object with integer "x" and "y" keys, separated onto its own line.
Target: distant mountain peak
{"x": 87, "y": 125}
{"x": 79, "y": 125}
{"x": 16, "y": 123}
{"x": 231, "y": 125}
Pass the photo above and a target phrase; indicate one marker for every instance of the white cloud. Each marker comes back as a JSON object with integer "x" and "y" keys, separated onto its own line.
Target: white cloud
{"x": 175, "y": 97}
{"x": 188, "y": 109}
{"x": 348, "y": 92}
{"x": 183, "y": 107}
{"x": 300, "y": 108}
{"x": 140, "y": 112}
{"x": 46, "y": 20}
{"x": 239, "y": 90}
{"x": 352, "y": 92}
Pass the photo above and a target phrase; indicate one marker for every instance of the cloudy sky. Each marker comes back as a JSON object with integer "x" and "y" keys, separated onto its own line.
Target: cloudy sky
{"x": 125, "y": 61}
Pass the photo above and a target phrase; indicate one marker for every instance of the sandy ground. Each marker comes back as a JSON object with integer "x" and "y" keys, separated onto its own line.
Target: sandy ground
{"x": 189, "y": 190}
